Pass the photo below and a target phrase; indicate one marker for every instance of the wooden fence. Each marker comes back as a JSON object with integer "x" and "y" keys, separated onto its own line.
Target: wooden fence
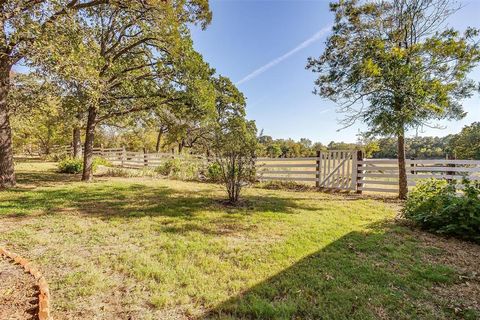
{"x": 333, "y": 170}
{"x": 381, "y": 175}
{"x": 348, "y": 170}
{"x": 131, "y": 159}
{"x": 328, "y": 170}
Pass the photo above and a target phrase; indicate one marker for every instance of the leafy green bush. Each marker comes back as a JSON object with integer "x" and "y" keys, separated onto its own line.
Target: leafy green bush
{"x": 179, "y": 168}
{"x": 75, "y": 165}
{"x": 436, "y": 206}
{"x": 99, "y": 161}
{"x": 214, "y": 172}
{"x": 169, "y": 167}
{"x": 130, "y": 173}
{"x": 70, "y": 165}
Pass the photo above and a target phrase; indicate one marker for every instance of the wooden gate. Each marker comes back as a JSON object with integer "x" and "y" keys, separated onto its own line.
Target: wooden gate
{"x": 336, "y": 170}
{"x": 331, "y": 170}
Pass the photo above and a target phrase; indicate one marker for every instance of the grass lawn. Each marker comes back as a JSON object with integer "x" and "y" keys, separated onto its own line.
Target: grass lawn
{"x": 160, "y": 249}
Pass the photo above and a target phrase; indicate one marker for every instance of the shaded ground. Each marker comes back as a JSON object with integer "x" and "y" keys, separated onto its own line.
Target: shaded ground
{"x": 161, "y": 249}
{"x": 393, "y": 272}
{"x": 18, "y": 292}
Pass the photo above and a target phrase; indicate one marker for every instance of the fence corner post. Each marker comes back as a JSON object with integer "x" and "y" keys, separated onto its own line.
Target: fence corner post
{"x": 358, "y": 165}
{"x": 317, "y": 169}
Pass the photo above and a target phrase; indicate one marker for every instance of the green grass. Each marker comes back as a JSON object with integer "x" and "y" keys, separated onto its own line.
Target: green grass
{"x": 163, "y": 249}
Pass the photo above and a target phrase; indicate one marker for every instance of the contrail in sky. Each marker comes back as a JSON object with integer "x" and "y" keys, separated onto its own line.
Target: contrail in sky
{"x": 317, "y": 36}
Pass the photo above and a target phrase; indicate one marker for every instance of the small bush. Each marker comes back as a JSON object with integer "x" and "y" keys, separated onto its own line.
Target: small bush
{"x": 181, "y": 169}
{"x": 75, "y": 165}
{"x": 169, "y": 167}
{"x": 214, "y": 173}
{"x": 130, "y": 173}
{"x": 70, "y": 165}
{"x": 99, "y": 161}
{"x": 436, "y": 206}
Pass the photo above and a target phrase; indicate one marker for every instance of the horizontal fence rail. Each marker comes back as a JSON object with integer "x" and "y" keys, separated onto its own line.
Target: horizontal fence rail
{"x": 333, "y": 170}
{"x": 381, "y": 175}
{"x": 287, "y": 169}
{"x": 348, "y": 170}
{"x": 328, "y": 170}
{"x": 136, "y": 160}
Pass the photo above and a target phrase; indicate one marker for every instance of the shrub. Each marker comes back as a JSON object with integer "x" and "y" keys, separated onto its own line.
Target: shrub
{"x": 214, "y": 172}
{"x": 436, "y": 206}
{"x": 130, "y": 173}
{"x": 180, "y": 168}
{"x": 70, "y": 165}
{"x": 169, "y": 167}
{"x": 75, "y": 165}
{"x": 234, "y": 148}
{"x": 99, "y": 161}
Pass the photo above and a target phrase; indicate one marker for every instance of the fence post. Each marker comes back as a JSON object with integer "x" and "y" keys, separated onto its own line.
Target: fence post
{"x": 101, "y": 150}
{"x": 317, "y": 169}
{"x": 358, "y": 179}
{"x": 145, "y": 157}
{"x": 451, "y": 173}
{"x": 124, "y": 156}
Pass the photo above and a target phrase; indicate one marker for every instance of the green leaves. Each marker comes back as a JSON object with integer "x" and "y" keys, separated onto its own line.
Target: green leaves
{"x": 234, "y": 139}
{"x": 466, "y": 144}
{"x": 393, "y": 65}
{"x": 435, "y": 206}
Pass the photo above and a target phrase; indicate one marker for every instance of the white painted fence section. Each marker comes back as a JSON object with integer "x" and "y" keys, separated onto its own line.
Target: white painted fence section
{"x": 328, "y": 170}
{"x": 130, "y": 159}
{"x": 340, "y": 170}
{"x": 331, "y": 170}
{"x": 335, "y": 170}
{"x": 287, "y": 169}
{"x": 381, "y": 175}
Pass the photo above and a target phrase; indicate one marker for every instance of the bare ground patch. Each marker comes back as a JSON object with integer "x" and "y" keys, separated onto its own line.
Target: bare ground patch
{"x": 18, "y": 292}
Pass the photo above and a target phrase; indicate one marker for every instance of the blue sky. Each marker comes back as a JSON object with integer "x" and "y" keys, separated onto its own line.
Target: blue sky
{"x": 263, "y": 46}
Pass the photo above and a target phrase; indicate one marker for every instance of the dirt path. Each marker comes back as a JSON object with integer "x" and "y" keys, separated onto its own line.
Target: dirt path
{"x": 18, "y": 292}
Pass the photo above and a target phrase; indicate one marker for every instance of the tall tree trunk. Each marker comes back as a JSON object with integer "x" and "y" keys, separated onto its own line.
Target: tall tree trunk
{"x": 159, "y": 139}
{"x": 402, "y": 170}
{"x": 88, "y": 148}
{"x": 7, "y": 173}
{"x": 77, "y": 143}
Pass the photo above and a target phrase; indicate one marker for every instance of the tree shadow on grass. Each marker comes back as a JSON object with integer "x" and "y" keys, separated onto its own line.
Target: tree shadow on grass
{"x": 129, "y": 200}
{"x": 47, "y": 178}
{"x": 363, "y": 275}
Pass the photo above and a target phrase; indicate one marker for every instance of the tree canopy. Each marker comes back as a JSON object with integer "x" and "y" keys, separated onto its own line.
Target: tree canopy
{"x": 395, "y": 65}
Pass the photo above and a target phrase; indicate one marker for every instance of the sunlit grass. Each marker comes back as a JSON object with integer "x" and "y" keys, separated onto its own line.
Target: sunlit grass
{"x": 162, "y": 249}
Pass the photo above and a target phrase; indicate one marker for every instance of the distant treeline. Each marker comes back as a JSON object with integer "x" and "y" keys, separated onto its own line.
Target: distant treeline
{"x": 464, "y": 145}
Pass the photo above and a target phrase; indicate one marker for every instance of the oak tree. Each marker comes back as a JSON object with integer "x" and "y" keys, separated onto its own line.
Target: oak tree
{"x": 126, "y": 57}
{"x": 22, "y": 23}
